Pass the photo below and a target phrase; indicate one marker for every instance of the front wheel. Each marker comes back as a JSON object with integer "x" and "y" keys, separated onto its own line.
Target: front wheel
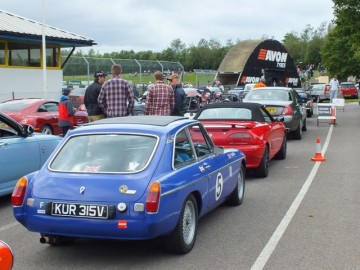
{"x": 182, "y": 239}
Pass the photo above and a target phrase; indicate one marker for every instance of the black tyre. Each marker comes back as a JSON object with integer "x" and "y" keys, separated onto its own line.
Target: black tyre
{"x": 182, "y": 239}
{"x": 237, "y": 196}
{"x": 310, "y": 113}
{"x": 304, "y": 127}
{"x": 46, "y": 129}
{"x": 283, "y": 150}
{"x": 263, "y": 169}
{"x": 297, "y": 134}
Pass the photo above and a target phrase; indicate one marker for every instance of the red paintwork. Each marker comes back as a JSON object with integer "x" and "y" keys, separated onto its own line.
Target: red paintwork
{"x": 262, "y": 133}
{"x": 349, "y": 90}
{"x": 29, "y": 115}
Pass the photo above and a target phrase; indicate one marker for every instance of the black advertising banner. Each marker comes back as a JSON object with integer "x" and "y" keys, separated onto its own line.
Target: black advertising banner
{"x": 270, "y": 60}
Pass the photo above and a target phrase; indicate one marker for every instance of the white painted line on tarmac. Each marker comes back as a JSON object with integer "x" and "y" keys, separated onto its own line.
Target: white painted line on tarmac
{"x": 8, "y": 226}
{"x": 280, "y": 230}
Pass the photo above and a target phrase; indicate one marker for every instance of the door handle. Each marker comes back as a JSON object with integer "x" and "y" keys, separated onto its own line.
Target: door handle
{"x": 2, "y": 144}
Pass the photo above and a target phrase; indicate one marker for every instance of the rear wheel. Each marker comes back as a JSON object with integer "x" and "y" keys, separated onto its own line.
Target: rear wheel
{"x": 237, "y": 196}
{"x": 304, "y": 127}
{"x": 182, "y": 239}
{"x": 298, "y": 132}
{"x": 282, "y": 152}
{"x": 46, "y": 129}
{"x": 263, "y": 169}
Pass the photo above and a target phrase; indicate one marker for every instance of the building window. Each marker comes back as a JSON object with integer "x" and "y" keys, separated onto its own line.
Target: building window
{"x": 24, "y": 54}
{"x": 2, "y": 53}
{"x": 52, "y": 56}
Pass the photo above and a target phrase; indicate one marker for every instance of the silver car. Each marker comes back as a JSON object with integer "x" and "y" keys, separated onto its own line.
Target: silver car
{"x": 282, "y": 101}
{"x": 317, "y": 92}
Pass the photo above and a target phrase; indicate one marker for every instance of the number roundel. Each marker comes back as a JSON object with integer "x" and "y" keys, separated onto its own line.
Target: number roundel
{"x": 219, "y": 186}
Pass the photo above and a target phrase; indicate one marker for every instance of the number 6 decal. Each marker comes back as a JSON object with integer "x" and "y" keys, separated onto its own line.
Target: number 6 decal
{"x": 219, "y": 186}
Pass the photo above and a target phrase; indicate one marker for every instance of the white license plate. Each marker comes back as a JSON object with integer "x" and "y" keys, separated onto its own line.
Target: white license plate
{"x": 80, "y": 210}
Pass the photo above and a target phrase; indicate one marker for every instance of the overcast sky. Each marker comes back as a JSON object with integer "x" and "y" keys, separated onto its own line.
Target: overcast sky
{"x": 141, "y": 25}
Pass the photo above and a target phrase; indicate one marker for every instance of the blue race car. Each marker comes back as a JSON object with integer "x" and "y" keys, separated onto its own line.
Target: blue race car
{"x": 130, "y": 178}
{"x": 21, "y": 151}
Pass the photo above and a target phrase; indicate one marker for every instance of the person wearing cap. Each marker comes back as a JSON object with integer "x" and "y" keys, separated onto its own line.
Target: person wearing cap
{"x": 66, "y": 112}
{"x": 261, "y": 83}
{"x": 334, "y": 88}
{"x": 160, "y": 97}
{"x": 116, "y": 98}
{"x": 179, "y": 95}
{"x": 91, "y": 97}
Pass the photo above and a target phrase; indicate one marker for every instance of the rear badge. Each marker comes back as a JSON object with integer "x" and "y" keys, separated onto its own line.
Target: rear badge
{"x": 122, "y": 224}
{"x": 82, "y": 190}
{"x": 125, "y": 190}
{"x": 201, "y": 168}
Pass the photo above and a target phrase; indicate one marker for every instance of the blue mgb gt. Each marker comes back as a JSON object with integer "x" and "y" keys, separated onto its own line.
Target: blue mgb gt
{"x": 136, "y": 177}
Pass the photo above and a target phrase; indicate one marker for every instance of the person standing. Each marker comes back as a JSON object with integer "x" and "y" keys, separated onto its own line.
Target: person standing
{"x": 91, "y": 97}
{"x": 66, "y": 112}
{"x": 334, "y": 88}
{"x": 160, "y": 97}
{"x": 261, "y": 83}
{"x": 179, "y": 95}
{"x": 116, "y": 98}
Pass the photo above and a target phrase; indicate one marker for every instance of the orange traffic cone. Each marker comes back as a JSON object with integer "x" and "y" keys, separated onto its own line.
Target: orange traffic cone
{"x": 318, "y": 156}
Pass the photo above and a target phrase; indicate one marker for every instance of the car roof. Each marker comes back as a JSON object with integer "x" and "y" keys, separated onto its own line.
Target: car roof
{"x": 153, "y": 120}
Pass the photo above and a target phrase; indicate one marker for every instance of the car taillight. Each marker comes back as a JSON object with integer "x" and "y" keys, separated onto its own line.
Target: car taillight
{"x": 18, "y": 195}
{"x": 153, "y": 198}
{"x": 82, "y": 108}
{"x": 287, "y": 111}
{"x": 240, "y": 138}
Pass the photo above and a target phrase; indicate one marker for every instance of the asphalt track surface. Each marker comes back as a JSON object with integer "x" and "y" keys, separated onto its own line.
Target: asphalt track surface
{"x": 304, "y": 215}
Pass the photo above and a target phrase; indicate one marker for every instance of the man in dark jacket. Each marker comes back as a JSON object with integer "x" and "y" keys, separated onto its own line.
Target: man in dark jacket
{"x": 91, "y": 97}
{"x": 66, "y": 112}
{"x": 179, "y": 95}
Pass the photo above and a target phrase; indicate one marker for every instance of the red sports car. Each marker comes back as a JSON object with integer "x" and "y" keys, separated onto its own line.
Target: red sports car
{"x": 42, "y": 114}
{"x": 248, "y": 127}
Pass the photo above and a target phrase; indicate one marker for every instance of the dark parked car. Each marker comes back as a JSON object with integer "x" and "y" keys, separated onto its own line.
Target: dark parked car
{"x": 307, "y": 99}
{"x": 282, "y": 101}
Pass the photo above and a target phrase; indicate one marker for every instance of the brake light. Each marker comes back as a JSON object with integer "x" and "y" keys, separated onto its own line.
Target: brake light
{"x": 18, "y": 195}
{"x": 287, "y": 110}
{"x": 153, "y": 198}
{"x": 240, "y": 138}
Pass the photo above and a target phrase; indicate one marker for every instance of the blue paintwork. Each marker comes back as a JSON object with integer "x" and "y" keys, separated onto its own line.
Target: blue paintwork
{"x": 103, "y": 188}
{"x": 21, "y": 153}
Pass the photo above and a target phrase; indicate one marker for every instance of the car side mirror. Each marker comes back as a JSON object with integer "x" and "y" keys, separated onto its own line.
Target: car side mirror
{"x": 6, "y": 256}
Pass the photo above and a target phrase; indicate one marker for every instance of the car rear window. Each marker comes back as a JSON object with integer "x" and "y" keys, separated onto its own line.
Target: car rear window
{"x": 255, "y": 95}
{"x": 105, "y": 153}
{"x": 347, "y": 85}
{"x": 226, "y": 113}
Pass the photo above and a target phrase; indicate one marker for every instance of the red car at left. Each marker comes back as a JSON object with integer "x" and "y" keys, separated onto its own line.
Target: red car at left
{"x": 42, "y": 114}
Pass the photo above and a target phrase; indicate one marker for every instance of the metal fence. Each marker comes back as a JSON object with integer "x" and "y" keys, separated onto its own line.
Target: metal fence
{"x": 138, "y": 71}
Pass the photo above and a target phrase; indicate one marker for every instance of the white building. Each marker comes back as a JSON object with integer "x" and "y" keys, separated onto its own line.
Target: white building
{"x": 21, "y": 63}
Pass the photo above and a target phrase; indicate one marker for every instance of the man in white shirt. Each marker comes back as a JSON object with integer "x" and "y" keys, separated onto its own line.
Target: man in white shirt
{"x": 334, "y": 88}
